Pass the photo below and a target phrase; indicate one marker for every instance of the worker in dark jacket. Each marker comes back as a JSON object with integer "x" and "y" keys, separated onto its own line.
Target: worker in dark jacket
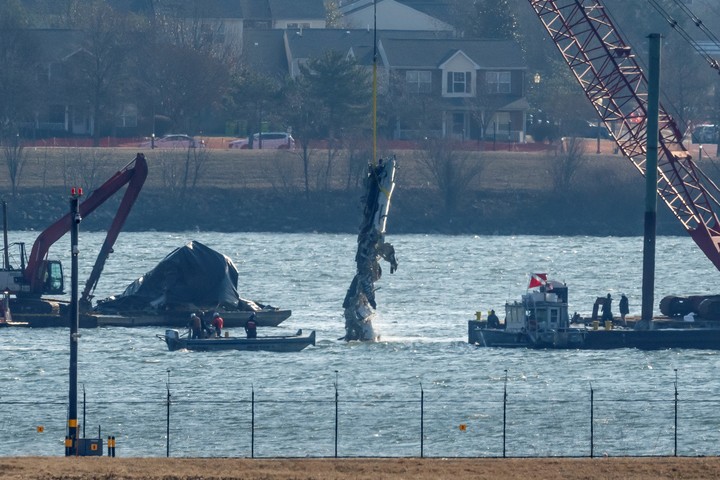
{"x": 607, "y": 308}
{"x": 624, "y": 308}
{"x": 251, "y": 327}
{"x": 493, "y": 321}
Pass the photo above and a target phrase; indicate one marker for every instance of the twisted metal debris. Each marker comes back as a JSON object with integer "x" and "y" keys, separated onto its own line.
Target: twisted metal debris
{"x": 359, "y": 301}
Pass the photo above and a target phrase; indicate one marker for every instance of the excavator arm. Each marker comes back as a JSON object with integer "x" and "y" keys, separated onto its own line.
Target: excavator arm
{"x": 614, "y": 83}
{"x": 134, "y": 175}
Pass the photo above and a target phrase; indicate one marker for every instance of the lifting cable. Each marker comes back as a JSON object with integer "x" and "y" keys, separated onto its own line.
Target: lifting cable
{"x": 668, "y": 102}
{"x": 675, "y": 25}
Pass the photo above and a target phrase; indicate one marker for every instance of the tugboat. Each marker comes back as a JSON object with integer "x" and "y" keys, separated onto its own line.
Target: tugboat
{"x": 541, "y": 320}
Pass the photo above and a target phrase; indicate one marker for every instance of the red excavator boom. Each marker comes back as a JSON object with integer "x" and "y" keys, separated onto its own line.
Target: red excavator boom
{"x": 614, "y": 83}
{"x": 134, "y": 175}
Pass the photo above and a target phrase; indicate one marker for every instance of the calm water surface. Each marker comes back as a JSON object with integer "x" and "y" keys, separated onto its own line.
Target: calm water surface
{"x": 423, "y": 366}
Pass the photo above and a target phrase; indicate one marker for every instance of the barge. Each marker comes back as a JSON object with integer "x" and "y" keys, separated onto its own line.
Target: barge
{"x": 540, "y": 320}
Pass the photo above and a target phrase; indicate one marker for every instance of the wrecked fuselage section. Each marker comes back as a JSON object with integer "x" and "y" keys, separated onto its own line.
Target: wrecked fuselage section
{"x": 359, "y": 304}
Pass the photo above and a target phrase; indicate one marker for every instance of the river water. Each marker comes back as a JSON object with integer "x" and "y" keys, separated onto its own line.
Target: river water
{"x": 421, "y": 390}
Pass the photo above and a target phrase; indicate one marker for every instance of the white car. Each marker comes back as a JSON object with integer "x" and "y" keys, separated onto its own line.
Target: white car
{"x": 173, "y": 141}
{"x": 269, "y": 140}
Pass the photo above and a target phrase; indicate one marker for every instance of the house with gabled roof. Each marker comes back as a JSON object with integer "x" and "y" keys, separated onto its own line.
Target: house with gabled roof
{"x": 423, "y": 15}
{"x": 297, "y": 14}
{"x": 479, "y": 85}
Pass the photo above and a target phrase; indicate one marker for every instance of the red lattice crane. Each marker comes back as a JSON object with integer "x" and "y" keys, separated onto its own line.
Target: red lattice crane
{"x": 613, "y": 81}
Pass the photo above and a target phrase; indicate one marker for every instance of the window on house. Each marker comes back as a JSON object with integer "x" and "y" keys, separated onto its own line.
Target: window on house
{"x": 127, "y": 116}
{"x": 418, "y": 81}
{"x": 459, "y": 82}
{"x": 498, "y": 82}
{"x": 56, "y": 114}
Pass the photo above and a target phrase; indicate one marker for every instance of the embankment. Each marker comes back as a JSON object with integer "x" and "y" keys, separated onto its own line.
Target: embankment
{"x": 216, "y": 190}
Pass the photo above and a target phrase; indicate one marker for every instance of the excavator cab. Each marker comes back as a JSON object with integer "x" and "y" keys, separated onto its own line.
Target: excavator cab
{"x": 54, "y": 283}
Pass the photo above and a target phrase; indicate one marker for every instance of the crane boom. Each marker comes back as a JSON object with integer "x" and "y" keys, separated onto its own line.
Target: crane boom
{"x": 603, "y": 64}
{"x": 133, "y": 174}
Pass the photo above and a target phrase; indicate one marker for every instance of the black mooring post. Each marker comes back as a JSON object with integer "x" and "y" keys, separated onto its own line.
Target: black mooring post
{"x": 167, "y": 420}
{"x": 592, "y": 423}
{"x": 505, "y": 412}
{"x": 71, "y": 444}
{"x": 252, "y": 423}
{"x": 422, "y": 422}
{"x": 84, "y": 411}
{"x": 336, "y": 413}
{"x": 676, "y": 410}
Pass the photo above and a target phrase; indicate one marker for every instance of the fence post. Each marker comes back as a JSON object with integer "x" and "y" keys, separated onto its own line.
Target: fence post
{"x": 422, "y": 422}
{"x": 336, "y": 413}
{"x": 252, "y": 423}
{"x": 505, "y": 412}
{"x": 676, "y": 410}
{"x": 592, "y": 423}
{"x": 167, "y": 420}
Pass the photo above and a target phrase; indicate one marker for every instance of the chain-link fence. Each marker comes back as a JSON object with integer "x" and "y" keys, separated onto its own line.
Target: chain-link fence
{"x": 501, "y": 423}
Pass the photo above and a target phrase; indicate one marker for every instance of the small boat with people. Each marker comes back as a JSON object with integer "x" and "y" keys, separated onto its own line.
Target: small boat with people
{"x": 271, "y": 343}
{"x": 540, "y": 319}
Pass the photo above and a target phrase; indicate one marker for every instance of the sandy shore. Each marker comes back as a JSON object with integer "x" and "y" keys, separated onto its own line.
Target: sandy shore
{"x": 321, "y": 469}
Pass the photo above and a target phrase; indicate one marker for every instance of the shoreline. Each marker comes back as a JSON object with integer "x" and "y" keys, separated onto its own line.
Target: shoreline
{"x": 82, "y": 468}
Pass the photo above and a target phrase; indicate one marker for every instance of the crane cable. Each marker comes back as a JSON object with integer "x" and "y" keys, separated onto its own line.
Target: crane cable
{"x": 675, "y": 25}
{"x": 699, "y": 23}
{"x": 698, "y": 48}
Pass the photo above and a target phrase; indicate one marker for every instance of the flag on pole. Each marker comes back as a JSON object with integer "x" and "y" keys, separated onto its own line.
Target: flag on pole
{"x": 537, "y": 279}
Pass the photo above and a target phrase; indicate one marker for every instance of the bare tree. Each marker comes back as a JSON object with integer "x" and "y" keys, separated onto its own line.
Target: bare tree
{"x": 99, "y": 72}
{"x": 359, "y": 155}
{"x": 15, "y": 161}
{"x": 566, "y": 162}
{"x": 83, "y": 167}
{"x": 451, "y": 170}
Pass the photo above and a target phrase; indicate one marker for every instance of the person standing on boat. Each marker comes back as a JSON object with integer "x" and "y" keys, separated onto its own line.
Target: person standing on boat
{"x": 195, "y": 326}
{"x": 251, "y": 327}
{"x": 217, "y": 323}
{"x": 624, "y": 308}
{"x": 493, "y": 321}
{"x": 607, "y": 308}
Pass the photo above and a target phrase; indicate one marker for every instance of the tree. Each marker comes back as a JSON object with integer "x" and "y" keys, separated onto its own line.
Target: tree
{"x": 20, "y": 93}
{"x": 332, "y": 14}
{"x": 484, "y": 18}
{"x": 192, "y": 84}
{"x": 332, "y": 96}
{"x": 409, "y": 114}
{"x": 304, "y": 113}
{"x": 99, "y": 72}
{"x": 255, "y": 97}
{"x": 451, "y": 170}
{"x": 343, "y": 89}
{"x": 565, "y": 163}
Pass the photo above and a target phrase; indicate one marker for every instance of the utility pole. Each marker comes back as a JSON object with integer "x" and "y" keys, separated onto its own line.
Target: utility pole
{"x": 651, "y": 179}
{"x": 71, "y": 441}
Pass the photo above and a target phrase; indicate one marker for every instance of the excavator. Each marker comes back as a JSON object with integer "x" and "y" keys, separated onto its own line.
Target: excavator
{"x": 608, "y": 72}
{"x": 37, "y": 275}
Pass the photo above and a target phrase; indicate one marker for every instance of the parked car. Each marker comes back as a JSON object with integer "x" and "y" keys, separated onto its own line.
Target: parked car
{"x": 269, "y": 140}
{"x": 705, "y": 133}
{"x": 174, "y": 141}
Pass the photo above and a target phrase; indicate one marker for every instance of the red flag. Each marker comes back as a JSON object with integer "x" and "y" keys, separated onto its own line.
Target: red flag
{"x": 537, "y": 279}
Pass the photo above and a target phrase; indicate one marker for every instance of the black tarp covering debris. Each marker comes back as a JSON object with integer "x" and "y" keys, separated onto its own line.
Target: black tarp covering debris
{"x": 194, "y": 275}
